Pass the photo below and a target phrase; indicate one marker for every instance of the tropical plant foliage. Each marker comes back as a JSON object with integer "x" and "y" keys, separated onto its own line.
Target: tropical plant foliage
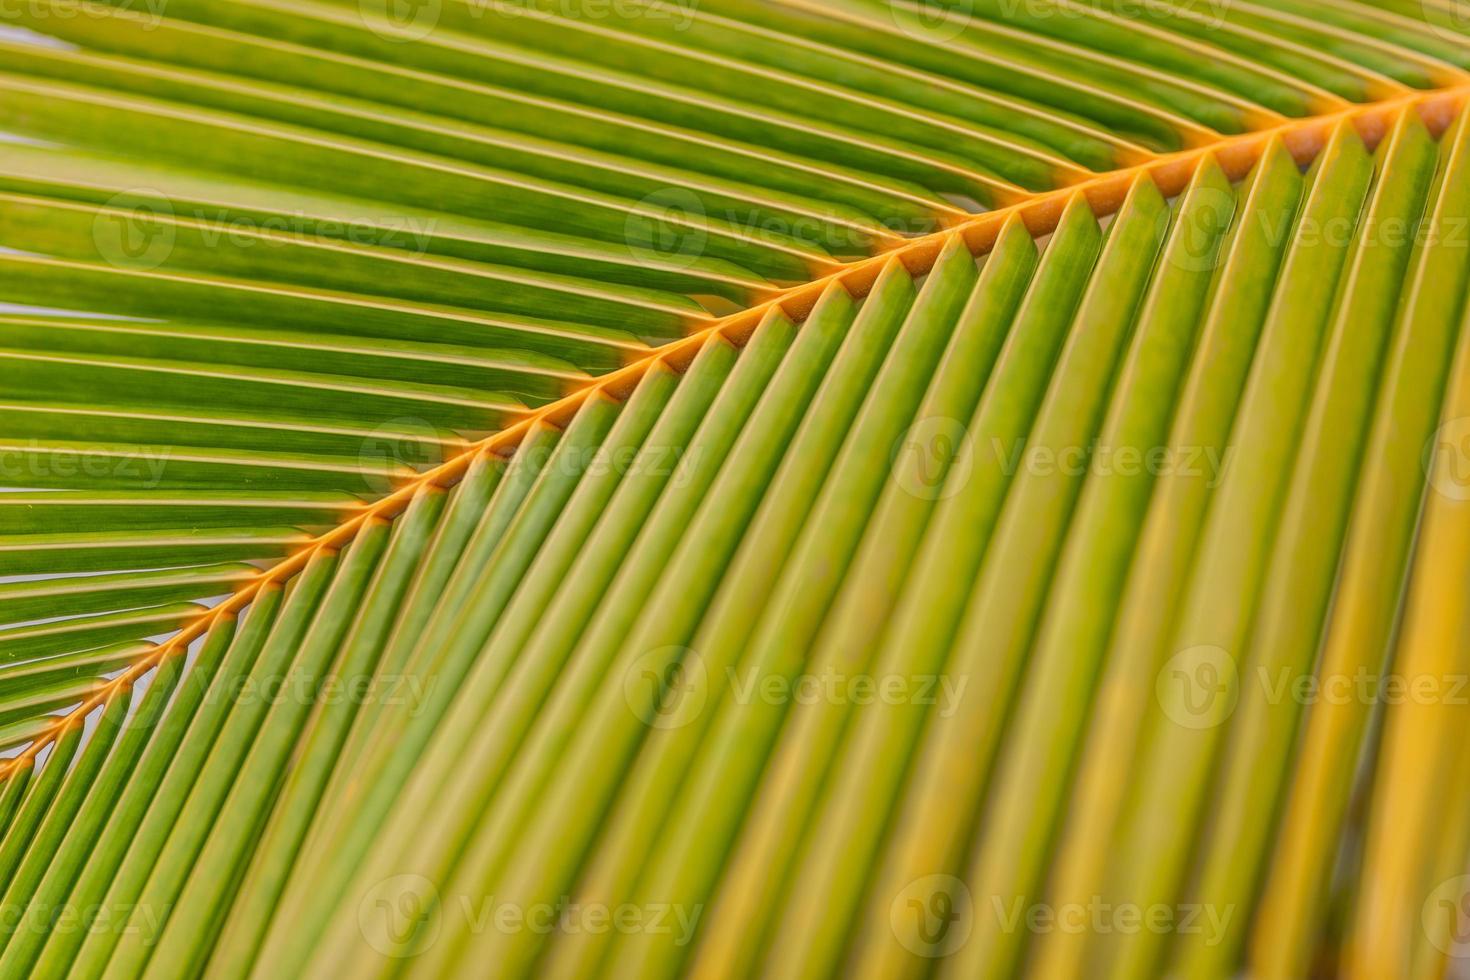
{"x": 737, "y": 488}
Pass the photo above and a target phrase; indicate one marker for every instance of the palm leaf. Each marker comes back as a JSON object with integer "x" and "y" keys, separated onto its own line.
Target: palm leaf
{"x": 758, "y": 487}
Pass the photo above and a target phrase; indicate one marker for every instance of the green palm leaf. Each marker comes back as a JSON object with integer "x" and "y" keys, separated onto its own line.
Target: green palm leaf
{"x": 757, "y": 487}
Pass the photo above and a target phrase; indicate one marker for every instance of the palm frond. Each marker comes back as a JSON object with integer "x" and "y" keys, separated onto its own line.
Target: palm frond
{"x": 450, "y": 445}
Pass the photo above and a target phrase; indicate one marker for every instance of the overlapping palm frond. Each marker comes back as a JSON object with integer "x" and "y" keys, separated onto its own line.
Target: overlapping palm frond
{"x": 451, "y": 442}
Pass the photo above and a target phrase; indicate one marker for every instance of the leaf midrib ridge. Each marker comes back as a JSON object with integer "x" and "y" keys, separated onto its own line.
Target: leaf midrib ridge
{"x": 1039, "y": 212}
